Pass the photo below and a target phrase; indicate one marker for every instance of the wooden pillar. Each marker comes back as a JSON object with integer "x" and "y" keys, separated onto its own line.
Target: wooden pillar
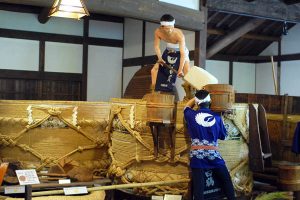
{"x": 230, "y": 72}
{"x": 200, "y": 40}
{"x": 123, "y": 49}
{"x": 28, "y": 192}
{"x": 279, "y": 67}
{"x": 42, "y": 45}
{"x": 85, "y": 59}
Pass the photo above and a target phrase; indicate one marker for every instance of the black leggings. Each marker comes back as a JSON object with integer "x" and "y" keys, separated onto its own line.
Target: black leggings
{"x": 198, "y": 182}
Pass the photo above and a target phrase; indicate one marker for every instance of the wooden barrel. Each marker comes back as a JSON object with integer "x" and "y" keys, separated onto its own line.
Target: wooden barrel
{"x": 160, "y": 107}
{"x": 289, "y": 176}
{"x": 222, "y": 96}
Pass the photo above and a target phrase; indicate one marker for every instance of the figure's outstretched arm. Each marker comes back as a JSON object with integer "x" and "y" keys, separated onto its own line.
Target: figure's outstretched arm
{"x": 157, "y": 47}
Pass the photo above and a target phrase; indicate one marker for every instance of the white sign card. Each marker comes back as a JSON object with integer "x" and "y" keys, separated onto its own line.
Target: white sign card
{"x": 172, "y": 197}
{"x": 14, "y": 189}
{"x": 64, "y": 181}
{"x": 157, "y": 197}
{"x": 75, "y": 190}
{"x": 27, "y": 177}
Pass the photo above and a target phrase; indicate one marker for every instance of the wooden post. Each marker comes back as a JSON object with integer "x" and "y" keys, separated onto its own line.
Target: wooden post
{"x": 279, "y": 67}
{"x": 284, "y": 124}
{"x": 28, "y": 192}
{"x": 85, "y": 59}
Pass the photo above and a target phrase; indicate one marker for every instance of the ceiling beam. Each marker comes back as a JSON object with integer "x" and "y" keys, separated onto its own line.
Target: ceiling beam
{"x": 232, "y": 36}
{"x": 268, "y": 9}
{"x": 289, "y": 2}
{"x": 257, "y": 59}
{"x": 246, "y": 36}
{"x": 149, "y": 10}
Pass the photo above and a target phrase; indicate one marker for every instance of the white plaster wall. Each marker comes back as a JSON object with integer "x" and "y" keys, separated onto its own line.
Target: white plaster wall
{"x": 220, "y": 69}
{"x": 264, "y": 78}
{"x": 290, "y": 42}
{"x": 149, "y": 43}
{"x": 63, "y": 57}
{"x": 104, "y": 73}
{"x": 189, "y": 39}
{"x": 193, "y": 4}
{"x": 133, "y": 37}
{"x": 128, "y": 73}
{"x": 243, "y": 79}
{"x": 29, "y": 22}
{"x": 290, "y": 78}
{"x": 104, "y": 29}
{"x": 289, "y": 70}
{"x": 18, "y": 54}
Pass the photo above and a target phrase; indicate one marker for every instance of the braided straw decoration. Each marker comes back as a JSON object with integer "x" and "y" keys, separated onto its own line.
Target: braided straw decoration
{"x": 12, "y": 141}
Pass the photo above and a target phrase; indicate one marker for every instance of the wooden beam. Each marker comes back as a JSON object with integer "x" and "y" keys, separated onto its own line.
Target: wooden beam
{"x": 150, "y": 10}
{"x": 30, "y": 35}
{"x": 20, "y": 8}
{"x": 146, "y": 60}
{"x": 271, "y": 9}
{"x": 256, "y": 59}
{"x": 289, "y": 2}
{"x": 234, "y": 35}
{"x": 35, "y": 75}
{"x": 246, "y": 36}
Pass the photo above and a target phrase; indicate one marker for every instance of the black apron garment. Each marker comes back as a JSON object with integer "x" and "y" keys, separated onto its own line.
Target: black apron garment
{"x": 165, "y": 77}
{"x": 296, "y": 140}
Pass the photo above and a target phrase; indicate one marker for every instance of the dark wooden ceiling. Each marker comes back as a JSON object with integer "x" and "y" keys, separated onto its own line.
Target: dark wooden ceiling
{"x": 253, "y": 43}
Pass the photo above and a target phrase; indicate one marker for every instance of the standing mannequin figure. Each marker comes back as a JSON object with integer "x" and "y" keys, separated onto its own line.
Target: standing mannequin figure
{"x": 205, "y": 128}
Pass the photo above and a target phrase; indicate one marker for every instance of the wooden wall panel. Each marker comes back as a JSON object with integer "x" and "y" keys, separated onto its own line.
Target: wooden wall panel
{"x": 20, "y": 89}
{"x": 283, "y": 115}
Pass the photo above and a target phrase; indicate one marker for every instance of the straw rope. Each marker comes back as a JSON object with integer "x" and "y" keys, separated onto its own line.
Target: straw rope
{"x": 13, "y": 141}
{"x": 131, "y": 146}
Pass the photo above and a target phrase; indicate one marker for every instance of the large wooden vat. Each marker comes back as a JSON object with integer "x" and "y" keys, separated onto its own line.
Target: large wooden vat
{"x": 222, "y": 96}
{"x": 289, "y": 176}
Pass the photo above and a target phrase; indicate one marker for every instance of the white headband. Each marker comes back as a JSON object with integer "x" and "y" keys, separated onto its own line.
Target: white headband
{"x": 165, "y": 23}
{"x": 199, "y": 101}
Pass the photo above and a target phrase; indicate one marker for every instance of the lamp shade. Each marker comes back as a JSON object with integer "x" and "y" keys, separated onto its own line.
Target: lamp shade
{"x": 69, "y": 9}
